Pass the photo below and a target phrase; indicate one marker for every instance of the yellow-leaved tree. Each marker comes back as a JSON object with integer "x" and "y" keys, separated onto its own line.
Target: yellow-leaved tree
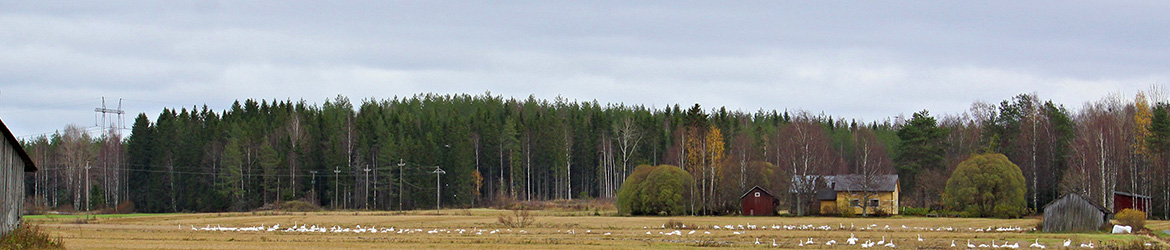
{"x": 1141, "y": 118}
{"x": 714, "y": 165}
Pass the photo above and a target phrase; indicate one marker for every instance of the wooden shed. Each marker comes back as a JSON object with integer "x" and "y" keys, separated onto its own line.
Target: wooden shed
{"x": 1123, "y": 200}
{"x": 14, "y": 162}
{"x": 758, "y": 201}
{"x": 1074, "y": 213}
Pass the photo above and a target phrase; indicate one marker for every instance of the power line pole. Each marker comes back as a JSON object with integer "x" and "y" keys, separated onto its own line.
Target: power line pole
{"x": 106, "y": 112}
{"x": 374, "y": 183}
{"x": 336, "y": 173}
{"x": 367, "y": 198}
{"x": 401, "y": 164}
{"x": 87, "y": 191}
{"x": 314, "y": 181}
{"x": 115, "y": 127}
{"x": 438, "y": 189}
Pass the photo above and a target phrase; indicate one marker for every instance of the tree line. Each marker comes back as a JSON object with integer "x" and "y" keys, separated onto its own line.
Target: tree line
{"x": 384, "y": 154}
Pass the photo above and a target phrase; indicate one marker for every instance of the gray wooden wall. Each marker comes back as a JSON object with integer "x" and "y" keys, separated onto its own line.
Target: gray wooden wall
{"x": 11, "y": 187}
{"x": 1072, "y": 213}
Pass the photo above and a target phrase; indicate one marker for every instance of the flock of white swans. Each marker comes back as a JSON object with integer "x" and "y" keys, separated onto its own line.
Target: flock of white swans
{"x": 735, "y": 230}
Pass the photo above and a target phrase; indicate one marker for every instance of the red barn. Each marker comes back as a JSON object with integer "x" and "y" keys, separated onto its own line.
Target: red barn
{"x": 758, "y": 201}
{"x": 1123, "y": 200}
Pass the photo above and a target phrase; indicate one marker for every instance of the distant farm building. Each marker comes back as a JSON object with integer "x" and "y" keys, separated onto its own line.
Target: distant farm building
{"x": 1123, "y": 200}
{"x": 14, "y": 162}
{"x": 802, "y": 194}
{"x": 1074, "y": 213}
{"x": 851, "y": 190}
{"x": 758, "y": 201}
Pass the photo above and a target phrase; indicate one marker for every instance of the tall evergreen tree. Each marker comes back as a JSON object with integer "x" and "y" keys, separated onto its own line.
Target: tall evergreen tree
{"x": 921, "y": 152}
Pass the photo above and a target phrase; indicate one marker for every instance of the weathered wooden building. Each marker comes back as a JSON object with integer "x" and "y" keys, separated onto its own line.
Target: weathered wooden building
{"x": 1074, "y": 213}
{"x": 758, "y": 201}
{"x": 14, "y": 162}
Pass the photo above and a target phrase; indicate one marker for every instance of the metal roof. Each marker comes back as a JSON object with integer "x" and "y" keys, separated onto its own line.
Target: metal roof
{"x": 1131, "y": 194}
{"x": 1075, "y": 195}
{"x": 826, "y": 194}
{"x": 855, "y": 183}
{"x": 28, "y": 163}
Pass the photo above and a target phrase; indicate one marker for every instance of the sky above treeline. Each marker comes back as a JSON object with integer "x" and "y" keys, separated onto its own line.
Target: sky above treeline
{"x": 868, "y": 60}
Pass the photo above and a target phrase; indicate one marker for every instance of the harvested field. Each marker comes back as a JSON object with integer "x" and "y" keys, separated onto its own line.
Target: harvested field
{"x": 480, "y": 229}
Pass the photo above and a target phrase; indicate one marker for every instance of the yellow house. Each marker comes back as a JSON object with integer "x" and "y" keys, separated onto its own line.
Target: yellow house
{"x": 879, "y": 193}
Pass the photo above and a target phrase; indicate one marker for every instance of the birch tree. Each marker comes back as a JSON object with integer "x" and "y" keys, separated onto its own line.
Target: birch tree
{"x": 806, "y": 154}
{"x": 870, "y": 166}
{"x": 1098, "y": 152}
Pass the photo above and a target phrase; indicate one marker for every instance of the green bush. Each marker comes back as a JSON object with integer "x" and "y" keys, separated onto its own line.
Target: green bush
{"x": 914, "y": 211}
{"x": 654, "y": 190}
{"x": 1133, "y": 218}
{"x": 299, "y": 206}
{"x": 629, "y": 196}
{"x": 987, "y": 185}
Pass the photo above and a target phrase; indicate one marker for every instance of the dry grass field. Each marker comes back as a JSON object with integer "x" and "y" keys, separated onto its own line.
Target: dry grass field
{"x": 479, "y": 229}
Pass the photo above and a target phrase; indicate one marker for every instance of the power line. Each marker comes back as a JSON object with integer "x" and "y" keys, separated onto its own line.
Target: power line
{"x": 206, "y": 173}
{"x": 88, "y": 129}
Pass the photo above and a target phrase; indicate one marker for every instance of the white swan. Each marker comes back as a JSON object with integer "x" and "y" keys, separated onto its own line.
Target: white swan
{"x": 1036, "y": 244}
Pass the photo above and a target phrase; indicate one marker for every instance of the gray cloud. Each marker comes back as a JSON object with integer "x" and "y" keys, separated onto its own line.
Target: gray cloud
{"x": 868, "y": 60}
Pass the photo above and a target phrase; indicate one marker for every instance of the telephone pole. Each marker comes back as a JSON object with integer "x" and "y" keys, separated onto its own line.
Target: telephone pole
{"x": 438, "y": 189}
{"x": 315, "y": 195}
{"x": 87, "y": 191}
{"x": 336, "y": 173}
{"x": 400, "y": 165}
{"x": 367, "y": 187}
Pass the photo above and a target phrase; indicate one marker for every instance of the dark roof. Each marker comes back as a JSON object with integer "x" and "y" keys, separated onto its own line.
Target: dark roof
{"x": 1130, "y": 195}
{"x": 1078, "y": 196}
{"x": 28, "y": 163}
{"x": 826, "y": 194}
{"x": 754, "y": 188}
{"x": 882, "y": 183}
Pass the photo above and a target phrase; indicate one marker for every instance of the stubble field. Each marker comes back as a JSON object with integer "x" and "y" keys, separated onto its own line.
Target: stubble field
{"x": 480, "y": 229}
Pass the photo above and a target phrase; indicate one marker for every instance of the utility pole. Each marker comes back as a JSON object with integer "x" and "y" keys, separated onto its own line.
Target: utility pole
{"x": 367, "y": 187}
{"x": 314, "y": 181}
{"x": 400, "y": 165}
{"x": 438, "y": 189}
{"x": 87, "y": 191}
{"x": 115, "y": 127}
{"x": 336, "y": 173}
{"x": 374, "y": 183}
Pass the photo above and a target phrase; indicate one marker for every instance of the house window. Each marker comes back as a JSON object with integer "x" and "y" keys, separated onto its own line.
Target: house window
{"x": 873, "y": 203}
{"x": 854, "y": 203}
{"x": 757, "y": 194}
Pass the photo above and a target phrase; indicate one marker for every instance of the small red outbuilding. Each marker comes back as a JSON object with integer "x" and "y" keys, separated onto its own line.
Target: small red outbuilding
{"x": 1123, "y": 200}
{"x": 758, "y": 201}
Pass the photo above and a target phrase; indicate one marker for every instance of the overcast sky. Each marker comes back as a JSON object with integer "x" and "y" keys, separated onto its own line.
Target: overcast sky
{"x": 868, "y": 60}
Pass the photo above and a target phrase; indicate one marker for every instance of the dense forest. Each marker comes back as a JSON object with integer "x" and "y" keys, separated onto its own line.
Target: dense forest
{"x": 385, "y": 154}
